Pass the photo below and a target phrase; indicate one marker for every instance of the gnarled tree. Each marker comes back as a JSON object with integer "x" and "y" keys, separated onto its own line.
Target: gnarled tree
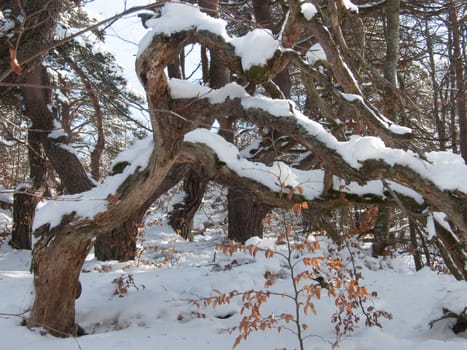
{"x": 179, "y": 108}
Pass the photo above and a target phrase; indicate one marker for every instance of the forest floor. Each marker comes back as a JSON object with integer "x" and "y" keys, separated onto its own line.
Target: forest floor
{"x": 145, "y": 304}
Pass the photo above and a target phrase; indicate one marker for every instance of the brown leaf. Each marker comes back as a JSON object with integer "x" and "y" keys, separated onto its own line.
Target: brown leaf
{"x": 14, "y": 64}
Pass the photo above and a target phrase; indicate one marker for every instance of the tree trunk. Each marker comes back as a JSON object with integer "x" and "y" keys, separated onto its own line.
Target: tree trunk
{"x": 24, "y": 206}
{"x": 452, "y": 251}
{"x": 417, "y": 256}
{"x": 439, "y": 122}
{"x": 381, "y": 232}
{"x": 392, "y": 58}
{"x": 458, "y": 64}
{"x": 246, "y": 220}
{"x": 56, "y": 284}
{"x": 120, "y": 244}
{"x": 382, "y": 226}
{"x": 195, "y": 183}
{"x": 245, "y": 213}
{"x": 181, "y": 218}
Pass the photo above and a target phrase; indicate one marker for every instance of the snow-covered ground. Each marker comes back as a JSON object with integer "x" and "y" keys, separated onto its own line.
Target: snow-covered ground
{"x": 154, "y": 312}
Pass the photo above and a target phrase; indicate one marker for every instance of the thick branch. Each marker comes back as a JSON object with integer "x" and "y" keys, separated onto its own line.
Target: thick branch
{"x": 331, "y": 154}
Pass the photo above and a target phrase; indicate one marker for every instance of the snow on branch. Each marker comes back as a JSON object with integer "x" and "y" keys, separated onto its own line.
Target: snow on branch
{"x": 275, "y": 177}
{"x": 280, "y": 175}
{"x": 254, "y": 49}
{"x": 261, "y": 63}
{"x": 441, "y": 179}
{"x": 88, "y": 204}
{"x": 446, "y": 170}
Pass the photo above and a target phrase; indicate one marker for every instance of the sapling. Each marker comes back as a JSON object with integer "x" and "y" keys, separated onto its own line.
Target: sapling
{"x": 310, "y": 273}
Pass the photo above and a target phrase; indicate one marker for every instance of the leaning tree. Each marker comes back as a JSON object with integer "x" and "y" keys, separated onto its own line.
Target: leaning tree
{"x": 340, "y": 170}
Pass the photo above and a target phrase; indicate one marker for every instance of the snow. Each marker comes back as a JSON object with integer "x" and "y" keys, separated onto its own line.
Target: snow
{"x": 308, "y": 10}
{"x": 394, "y": 128}
{"x": 157, "y": 314}
{"x": 6, "y": 25}
{"x": 7, "y": 143}
{"x": 275, "y": 107}
{"x": 430, "y": 227}
{"x": 351, "y": 97}
{"x": 57, "y": 132}
{"x": 442, "y": 219}
{"x": 90, "y": 203}
{"x": 6, "y": 195}
{"x": 446, "y": 170}
{"x": 376, "y": 188}
{"x": 349, "y": 5}
{"x": 184, "y": 89}
{"x": 315, "y": 53}
{"x": 255, "y": 48}
{"x": 273, "y": 177}
{"x": 176, "y": 17}
{"x": 87, "y": 39}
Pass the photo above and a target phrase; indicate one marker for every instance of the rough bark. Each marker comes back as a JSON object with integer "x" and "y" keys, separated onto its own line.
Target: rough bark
{"x": 417, "y": 256}
{"x": 392, "y": 41}
{"x": 382, "y": 240}
{"x": 40, "y": 18}
{"x": 245, "y": 212}
{"x": 247, "y": 216}
{"x": 65, "y": 163}
{"x": 439, "y": 122}
{"x": 24, "y": 206}
{"x": 194, "y": 186}
{"x": 67, "y": 244}
{"x": 120, "y": 243}
{"x": 392, "y": 56}
{"x": 56, "y": 284}
{"x": 450, "y": 202}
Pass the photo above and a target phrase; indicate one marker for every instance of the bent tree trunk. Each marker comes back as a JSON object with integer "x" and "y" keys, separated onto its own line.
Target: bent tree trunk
{"x": 61, "y": 251}
{"x": 58, "y": 281}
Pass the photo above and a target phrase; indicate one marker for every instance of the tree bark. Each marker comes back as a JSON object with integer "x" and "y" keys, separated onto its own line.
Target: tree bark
{"x": 392, "y": 56}
{"x": 56, "y": 284}
{"x": 246, "y": 220}
{"x": 194, "y": 186}
{"x": 381, "y": 232}
{"x": 459, "y": 71}
{"x": 439, "y": 122}
{"x": 120, "y": 243}
{"x": 417, "y": 256}
{"x": 25, "y": 201}
{"x": 61, "y": 251}
{"x": 24, "y": 206}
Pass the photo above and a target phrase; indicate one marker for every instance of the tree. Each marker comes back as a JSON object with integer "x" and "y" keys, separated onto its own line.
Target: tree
{"x": 336, "y": 175}
{"x": 91, "y": 90}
